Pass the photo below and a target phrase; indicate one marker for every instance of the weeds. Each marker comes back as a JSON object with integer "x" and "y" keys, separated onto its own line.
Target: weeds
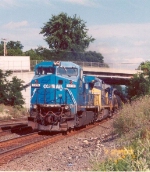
{"x": 133, "y": 127}
{"x": 9, "y": 112}
{"x": 135, "y": 158}
{"x": 133, "y": 117}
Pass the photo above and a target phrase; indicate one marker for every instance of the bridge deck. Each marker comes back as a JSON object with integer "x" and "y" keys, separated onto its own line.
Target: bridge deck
{"x": 111, "y": 70}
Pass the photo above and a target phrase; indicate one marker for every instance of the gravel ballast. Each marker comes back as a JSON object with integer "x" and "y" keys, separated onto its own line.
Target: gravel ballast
{"x": 74, "y": 153}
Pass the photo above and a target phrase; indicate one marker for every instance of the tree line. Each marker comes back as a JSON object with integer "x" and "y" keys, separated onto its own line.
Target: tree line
{"x": 67, "y": 38}
{"x": 15, "y": 49}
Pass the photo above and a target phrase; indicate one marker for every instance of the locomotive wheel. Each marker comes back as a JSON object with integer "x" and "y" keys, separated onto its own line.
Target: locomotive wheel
{"x": 106, "y": 113}
{"x": 110, "y": 114}
{"x": 64, "y": 133}
{"x": 119, "y": 101}
{"x": 70, "y": 130}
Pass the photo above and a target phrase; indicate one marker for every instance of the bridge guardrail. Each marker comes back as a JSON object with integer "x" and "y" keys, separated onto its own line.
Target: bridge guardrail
{"x": 132, "y": 66}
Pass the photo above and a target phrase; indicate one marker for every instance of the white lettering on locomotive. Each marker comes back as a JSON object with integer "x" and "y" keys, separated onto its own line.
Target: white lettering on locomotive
{"x": 35, "y": 85}
{"x": 59, "y": 86}
{"x": 52, "y": 86}
{"x": 71, "y": 86}
{"x": 48, "y": 86}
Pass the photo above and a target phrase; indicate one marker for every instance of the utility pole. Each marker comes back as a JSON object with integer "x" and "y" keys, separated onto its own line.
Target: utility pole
{"x": 5, "y": 51}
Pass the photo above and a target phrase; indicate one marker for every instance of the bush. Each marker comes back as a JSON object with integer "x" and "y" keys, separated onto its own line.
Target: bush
{"x": 133, "y": 127}
{"x": 133, "y": 158}
{"x": 10, "y": 91}
{"x": 133, "y": 117}
{"x": 9, "y": 112}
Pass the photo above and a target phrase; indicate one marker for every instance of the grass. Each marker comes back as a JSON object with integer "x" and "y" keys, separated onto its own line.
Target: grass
{"x": 133, "y": 128}
{"x": 9, "y": 112}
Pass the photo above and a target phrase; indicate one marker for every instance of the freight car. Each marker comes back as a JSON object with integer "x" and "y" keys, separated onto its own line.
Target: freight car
{"x": 62, "y": 98}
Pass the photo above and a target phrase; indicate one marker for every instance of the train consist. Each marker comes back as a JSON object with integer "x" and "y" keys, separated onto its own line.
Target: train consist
{"x": 62, "y": 98}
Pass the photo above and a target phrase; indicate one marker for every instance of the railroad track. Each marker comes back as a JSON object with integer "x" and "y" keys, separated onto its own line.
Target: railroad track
{"x": 20, "y": 141}
{"x": 8, "y": 124}
{"x": 14, "y": 128}
{"x": 11, "y": 121}
{"x": 14, "y": 148}
{"x": 4, "y": 133}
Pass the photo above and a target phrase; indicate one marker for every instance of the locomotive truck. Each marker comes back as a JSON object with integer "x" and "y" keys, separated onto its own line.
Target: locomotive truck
{"x": 62, "y": 98}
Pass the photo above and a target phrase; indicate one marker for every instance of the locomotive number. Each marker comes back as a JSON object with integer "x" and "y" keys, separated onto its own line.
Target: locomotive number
{"x": 35, "y": 85}
{"x": 71, "y": 86}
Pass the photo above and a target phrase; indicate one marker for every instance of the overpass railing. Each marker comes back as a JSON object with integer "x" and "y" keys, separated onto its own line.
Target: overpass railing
{"x": 133, "y": 66}
{"x": 24, "y": 67}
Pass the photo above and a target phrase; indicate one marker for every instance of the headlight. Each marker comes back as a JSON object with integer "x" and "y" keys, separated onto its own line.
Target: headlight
{"x": 66, "y": 107}
{"x": 34, "y": 106}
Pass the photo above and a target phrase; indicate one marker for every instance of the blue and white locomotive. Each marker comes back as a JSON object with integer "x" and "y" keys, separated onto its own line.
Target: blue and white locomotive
{"x": 62, "y": 98}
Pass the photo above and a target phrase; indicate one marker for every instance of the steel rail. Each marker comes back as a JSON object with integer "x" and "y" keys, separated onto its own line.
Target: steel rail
{"x": 21, "y": 150}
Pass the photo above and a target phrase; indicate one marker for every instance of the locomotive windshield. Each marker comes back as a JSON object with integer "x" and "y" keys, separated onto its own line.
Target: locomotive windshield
{"x": 98, "y": 85}
{"x": 67, "y": 71}
{"x": 44, "y": 70}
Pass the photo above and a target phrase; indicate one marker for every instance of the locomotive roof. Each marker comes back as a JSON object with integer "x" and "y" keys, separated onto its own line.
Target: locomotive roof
{"x": 52, "y": 63}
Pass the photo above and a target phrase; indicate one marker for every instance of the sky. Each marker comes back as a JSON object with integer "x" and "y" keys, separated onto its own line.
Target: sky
{"x": 121, "y": 28}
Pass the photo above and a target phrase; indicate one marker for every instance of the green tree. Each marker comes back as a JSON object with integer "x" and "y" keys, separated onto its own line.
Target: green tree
{"x": 14, "y": 45}
{"x": 45, "y": 54}
{"x": 139, "y": 85}
{"x": 62, "y": 32}
{"x": 10, "y": 91}
{"x": 14, "y": 48}
{"x": 34, "y": 55}
{"x": 88, "y": 56}
{"x": 14, "y": 95}
{"x": 145, "y": 66}
{"x": 92, "y": 56}
{"x": 14, "y": 52}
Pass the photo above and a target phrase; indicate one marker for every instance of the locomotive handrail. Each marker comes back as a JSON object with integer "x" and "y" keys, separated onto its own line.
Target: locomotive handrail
{"x": 25, "y": 86}
{"x": 71, "y": 95}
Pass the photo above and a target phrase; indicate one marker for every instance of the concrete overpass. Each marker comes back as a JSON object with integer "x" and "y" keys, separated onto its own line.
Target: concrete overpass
{"x": 111, "y": 75}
